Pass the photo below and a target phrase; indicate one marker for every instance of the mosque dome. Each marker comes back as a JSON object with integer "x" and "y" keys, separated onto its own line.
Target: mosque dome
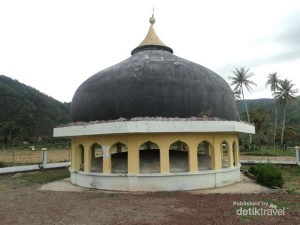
{"x": 153, "y": 82}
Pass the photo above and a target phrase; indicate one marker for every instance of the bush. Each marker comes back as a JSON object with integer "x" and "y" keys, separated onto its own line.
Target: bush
{"x": 2, "y": 164}
{"x": 267, "y": 175}
{"x": 246, "y": 147}
{"x": 253, "y": 170}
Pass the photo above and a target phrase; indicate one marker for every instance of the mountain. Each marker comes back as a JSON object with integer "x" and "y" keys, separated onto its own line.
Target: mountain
{"x": 292, "y": 114}
{"x": 31, "y": 112}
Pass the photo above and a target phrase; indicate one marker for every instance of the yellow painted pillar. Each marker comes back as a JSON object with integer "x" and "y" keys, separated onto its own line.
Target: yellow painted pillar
{"x": 222, "y": 153}
{"x": 230, "y": 156}
{"x": 164, "y": 157}
{"x": 133, "y": 155}
{"x": 106, "y": 159}
{"x": 73, "y": 155}
{"x": 216, "y": 155}
{"x": 77, "y": 156}
{"x": 87, "y": 158}
{"x": 234, "y": 154}
{"x": 193, "y": 157}
{"x": 238, "y": 163}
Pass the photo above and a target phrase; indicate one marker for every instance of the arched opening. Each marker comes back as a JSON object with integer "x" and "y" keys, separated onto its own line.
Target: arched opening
{"x": 234, "y": 153}
{"x": 149, "y": 157}
{"x": 97, "y": 158}
{"x": 204, "y": 155}
{"x": 178, "y": 157}
{"x": 225, "y": 154}
{"x": 79, "y": 158}
{"x": 119, "y": 158}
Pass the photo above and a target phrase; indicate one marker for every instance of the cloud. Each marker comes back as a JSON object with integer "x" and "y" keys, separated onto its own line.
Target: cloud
{"x": 285, "y": 40}
{"x": 273, "y": 48}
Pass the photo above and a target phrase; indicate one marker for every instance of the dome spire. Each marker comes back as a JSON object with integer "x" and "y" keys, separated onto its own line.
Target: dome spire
{"x": 151, "y": 39}
{"x": 152, "y": 18}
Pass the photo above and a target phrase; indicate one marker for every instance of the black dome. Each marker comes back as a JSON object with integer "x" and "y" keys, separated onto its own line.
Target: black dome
{"x": 153, "y": 82}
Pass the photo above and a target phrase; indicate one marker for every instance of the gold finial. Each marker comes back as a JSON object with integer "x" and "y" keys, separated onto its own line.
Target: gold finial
{"x": 151, "y": 38}
{"x": 152, "y": 19}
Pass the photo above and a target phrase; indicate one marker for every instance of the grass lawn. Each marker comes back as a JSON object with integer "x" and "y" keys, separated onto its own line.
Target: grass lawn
{"x": 291, "y": 176}
{"x": 270, "y": 152}
{"x": 46, "y": 176}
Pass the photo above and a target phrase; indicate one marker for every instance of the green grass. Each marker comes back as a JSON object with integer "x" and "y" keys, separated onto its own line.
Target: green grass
{"x": 291, "y": 176}
{"x": 3, "y": 164}
{"x": 269, "y": 152}
{"x": 46, "y": 176}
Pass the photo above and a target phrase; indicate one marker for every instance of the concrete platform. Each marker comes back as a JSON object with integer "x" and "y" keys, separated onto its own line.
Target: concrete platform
{"x": 175, "y": 181}
{"x": 245, "y": 186}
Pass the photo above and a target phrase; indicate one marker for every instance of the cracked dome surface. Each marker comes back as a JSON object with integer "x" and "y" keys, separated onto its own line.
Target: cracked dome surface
{"x": 153, "y": 82}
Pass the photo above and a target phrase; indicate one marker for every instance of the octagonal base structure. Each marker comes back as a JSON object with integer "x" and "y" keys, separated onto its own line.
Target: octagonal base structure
{"x": 149, "y": 155}
{"x": 157, "y": 182}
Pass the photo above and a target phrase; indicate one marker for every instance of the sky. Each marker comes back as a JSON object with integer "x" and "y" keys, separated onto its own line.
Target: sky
{"x": 56, "y": 45}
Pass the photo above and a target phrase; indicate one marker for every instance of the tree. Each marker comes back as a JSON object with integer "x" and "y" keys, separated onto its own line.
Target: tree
{"x": 284, "y": 95}
{"x": 273, "y": 79}
{"x": 10, "y": 134}
{"x": 241, "y": 80}
{"x": 259, "y": 117}
{"x": 288, "y": 136}
{"x": 237, "y": 97}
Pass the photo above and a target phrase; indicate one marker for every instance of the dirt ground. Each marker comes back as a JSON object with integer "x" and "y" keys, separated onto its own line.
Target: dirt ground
{"x": 22, "y": 203}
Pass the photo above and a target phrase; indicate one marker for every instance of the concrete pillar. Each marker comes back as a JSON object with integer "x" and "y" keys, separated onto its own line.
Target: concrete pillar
{"x": 77, "y": 156}
{"x": 106, "y": 159}
{"x": 237, "y": 155}
{"x": 133, "y": 155}
{"x": 216, "y": 155}
{"x": 73, "y": 156}
{"x": 164, "y": 158}
{"x": 193, "y": 157}
{"x": 230, "y": 155}
{"x": 87, "y": 158}
{"x": 44, "y": 157}
{"x": 234, "y": 153}
{"x": 222, "y": 151}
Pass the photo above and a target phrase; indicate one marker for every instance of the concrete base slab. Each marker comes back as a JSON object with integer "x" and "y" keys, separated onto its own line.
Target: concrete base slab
{"x": 245, "y": 186}
{"x": 156, "y": 181}
{"x": 62, "y": 185}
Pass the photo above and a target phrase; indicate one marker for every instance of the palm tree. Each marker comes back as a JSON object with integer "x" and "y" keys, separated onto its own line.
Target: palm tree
{"x": 237, "y": 97}
{"x": 273, "y": 79}
{"x": 284, "y": 95}
{"x": 241, "y": 80}
{"x": 259, "y": 117}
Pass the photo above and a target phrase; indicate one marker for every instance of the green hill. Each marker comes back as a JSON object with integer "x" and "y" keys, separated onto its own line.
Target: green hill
{"x": 292, "y": 114}
{"x": 28, "y": 112}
